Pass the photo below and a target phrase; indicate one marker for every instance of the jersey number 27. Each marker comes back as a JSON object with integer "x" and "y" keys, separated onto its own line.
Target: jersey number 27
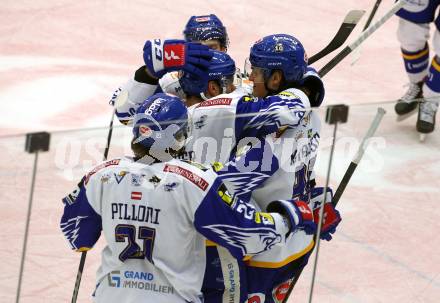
{"x": 127, "y": 233}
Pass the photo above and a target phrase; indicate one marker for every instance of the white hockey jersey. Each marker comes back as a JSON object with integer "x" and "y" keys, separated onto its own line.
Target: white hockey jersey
{"x": 154, "y": 219}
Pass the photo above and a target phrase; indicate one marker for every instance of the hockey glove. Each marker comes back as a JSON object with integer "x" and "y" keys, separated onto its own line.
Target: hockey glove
{"x": 314, "y": 86}
{"x": 162, "y": 56}
{"x": 297, "y": 212}
{"x": 331, "y": 215}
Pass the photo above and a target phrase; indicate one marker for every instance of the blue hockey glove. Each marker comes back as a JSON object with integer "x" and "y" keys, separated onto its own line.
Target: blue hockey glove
{"x": 332, "y": 218}
{"x": 162, "y": 56}
{"x": 298, "y": 212}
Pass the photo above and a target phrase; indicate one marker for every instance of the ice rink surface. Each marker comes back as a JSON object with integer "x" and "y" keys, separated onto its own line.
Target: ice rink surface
{"x": 60, "y": 61}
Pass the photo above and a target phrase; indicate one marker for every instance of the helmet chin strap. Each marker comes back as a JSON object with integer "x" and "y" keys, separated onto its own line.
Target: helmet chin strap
{"x": 203, "y": 96}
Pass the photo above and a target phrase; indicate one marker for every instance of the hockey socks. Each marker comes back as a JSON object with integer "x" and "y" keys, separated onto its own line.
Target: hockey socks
{"x": 416, "y": 63}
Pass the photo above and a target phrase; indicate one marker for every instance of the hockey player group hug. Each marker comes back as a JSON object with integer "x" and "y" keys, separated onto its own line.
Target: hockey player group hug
{"x": 218, "y": 202}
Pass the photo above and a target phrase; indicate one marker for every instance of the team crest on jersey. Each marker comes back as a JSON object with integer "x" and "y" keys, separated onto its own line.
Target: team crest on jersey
{"x": 137, "y": 179}
{"x": 260, "y": 239}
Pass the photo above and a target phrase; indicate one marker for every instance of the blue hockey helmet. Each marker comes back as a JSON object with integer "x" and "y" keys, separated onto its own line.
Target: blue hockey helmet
{"x": 282, "y": 52}
{"x": 161, "y": 121}
{"x": 204, "y": 28}
{"x": 221, "y": 68}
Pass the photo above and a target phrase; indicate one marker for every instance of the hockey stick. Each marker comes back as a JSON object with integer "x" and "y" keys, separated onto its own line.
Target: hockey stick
{"x": 347, "y": 26}
{"x": 347, "y": 176}
{"x": 82, "y": 261}
{"x": 371, "y": 16}
{"x": 359, "y": 154}
{"x": 357, "y": 54}
{"x": 371, "y": 29}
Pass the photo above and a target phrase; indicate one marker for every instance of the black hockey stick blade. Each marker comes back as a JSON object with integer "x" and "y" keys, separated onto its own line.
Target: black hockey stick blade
{"x": 347, "y": 26}
{"x": 367, "y": 33}
{"x": 371, "y": 16}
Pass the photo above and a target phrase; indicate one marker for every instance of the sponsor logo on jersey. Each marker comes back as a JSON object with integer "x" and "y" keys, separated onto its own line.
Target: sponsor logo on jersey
{"x": 249, "y": 99}
{"x": 201, "y": 122}
{"x": 288, "y": 94}
{"x": 136, "y": 195}
{"x": 215, "y": 102}
{"x": 257, "y": 297}
{"x": 170, "y": 186}
{"x": 105, "y": 178}
{"x": 71, "y": 198}
{"x": 120, "y": 176}
{"x": 174, "y": 55}
{"x": 114, "y": 279}
{"x": 280, "y": 291}
{"x": 155, "y": 180}
{"x": 99, "y": 167}
{"x": 137, "y": 280}
{"x": 217, "y": 166}
{"x": 189, "y": 175}
{"x": 222, "y": 191}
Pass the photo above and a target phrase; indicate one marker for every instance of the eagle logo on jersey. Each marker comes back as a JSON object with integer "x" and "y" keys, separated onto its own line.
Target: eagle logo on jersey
{"x": 243, "y": 183}
{"x": 250, "y": 241}
{"x": 70, "y": 229}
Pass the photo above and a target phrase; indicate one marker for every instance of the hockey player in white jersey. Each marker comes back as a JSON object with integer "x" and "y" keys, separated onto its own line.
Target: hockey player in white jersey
{"x": 154, "y": 215}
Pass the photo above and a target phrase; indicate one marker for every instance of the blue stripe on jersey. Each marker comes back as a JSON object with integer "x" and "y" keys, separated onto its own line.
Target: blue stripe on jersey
{"x": 80, "y": 224}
